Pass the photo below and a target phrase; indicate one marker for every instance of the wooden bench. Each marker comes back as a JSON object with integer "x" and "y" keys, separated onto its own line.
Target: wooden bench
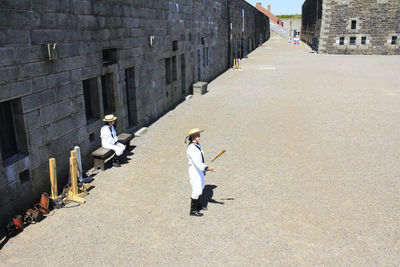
{"x": 101, "y": 154}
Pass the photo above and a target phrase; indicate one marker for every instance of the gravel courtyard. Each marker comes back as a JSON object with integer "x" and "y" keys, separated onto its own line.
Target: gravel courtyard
{"x": 310, "y": 176}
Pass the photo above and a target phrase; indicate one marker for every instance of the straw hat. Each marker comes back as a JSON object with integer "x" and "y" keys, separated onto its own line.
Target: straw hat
{"x": 110, "y": 117}
{"x": 192, "y": 132}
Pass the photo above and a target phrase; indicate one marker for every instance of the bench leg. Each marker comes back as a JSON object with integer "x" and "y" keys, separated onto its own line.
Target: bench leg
{"x": 101, "y": 163}
{"x": 98, "y": 163}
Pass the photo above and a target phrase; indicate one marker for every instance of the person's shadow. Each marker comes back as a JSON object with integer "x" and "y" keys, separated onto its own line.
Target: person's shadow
{"x": 208, "y": 194}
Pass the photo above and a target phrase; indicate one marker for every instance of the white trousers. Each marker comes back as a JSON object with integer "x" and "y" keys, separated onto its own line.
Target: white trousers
{"x": 118, "y": 148}
{"x": 197, "y": 181}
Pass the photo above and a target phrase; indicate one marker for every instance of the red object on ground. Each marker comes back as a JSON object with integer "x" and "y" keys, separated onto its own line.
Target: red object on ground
{"x": 19, "y": 222}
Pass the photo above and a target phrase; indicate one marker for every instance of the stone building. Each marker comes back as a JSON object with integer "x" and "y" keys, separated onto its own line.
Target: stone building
{"x": 352, "y": 26}
{"x": 292, "y": 25}
{"x": 65, "y": 64}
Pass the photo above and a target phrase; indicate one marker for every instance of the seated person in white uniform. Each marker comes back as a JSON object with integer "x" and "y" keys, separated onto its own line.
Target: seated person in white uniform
{"x": 109, "y": 138}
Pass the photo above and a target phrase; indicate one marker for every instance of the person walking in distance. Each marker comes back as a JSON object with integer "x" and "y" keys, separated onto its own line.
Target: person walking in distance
{"x": 109, "y": 138}
{"x": 197, "y": 170}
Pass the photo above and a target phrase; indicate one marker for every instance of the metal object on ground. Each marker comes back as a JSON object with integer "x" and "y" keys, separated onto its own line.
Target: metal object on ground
{"x": 33, "y": 215}
{"x": 44, "y": 203}
{"x": 81, "y": 179}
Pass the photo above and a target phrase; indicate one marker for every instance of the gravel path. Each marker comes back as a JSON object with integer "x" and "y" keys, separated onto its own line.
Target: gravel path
{"x": 310, "y": 176}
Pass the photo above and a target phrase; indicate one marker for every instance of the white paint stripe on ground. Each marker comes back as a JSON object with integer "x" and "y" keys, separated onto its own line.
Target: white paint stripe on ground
{"x": 267, "y": 68}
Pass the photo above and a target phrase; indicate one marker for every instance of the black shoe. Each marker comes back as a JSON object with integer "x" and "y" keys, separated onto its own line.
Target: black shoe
{"x": 193, "y": 208}
{"x": 116, "y": 164}
{"x": 196, "y": 213}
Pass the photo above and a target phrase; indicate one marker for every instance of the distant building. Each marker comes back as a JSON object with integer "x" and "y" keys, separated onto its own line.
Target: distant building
{"x": 268, "y": 13}
{"x": 292, "y": 26}
{"x": 352, "y": 27}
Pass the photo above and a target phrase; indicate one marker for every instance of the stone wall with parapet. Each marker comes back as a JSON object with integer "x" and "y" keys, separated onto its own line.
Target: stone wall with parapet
{"x": 133, "y": 58}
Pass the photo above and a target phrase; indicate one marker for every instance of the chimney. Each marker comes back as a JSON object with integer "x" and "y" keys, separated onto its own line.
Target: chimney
{"x": 269, "y": 8}
{"x": 258, "y": 4}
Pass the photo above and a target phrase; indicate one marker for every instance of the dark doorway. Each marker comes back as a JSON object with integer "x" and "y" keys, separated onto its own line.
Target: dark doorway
{"x": 241, "y": 48}
{"x": 198, "y": 65}
{"x": 131, "y": 96}
{"x": 245, "y": 46}
{"x": 107, "y": 84}
{"x": 91, "y": 96}
{"x": 183, "y": 74}
{"x": 8, "y": 139}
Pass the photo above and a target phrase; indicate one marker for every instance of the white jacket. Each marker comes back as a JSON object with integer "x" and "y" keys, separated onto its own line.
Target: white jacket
{"x": 195, "y": 156}
{"x": 108, "y": 137}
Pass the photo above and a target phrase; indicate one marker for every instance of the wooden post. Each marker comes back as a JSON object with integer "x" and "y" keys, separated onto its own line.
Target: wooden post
{"x": 74, "y": 172}
{"x": 72, "y": 192}
{"x": 74, "y": 177}
{"x": 53, "y": 178}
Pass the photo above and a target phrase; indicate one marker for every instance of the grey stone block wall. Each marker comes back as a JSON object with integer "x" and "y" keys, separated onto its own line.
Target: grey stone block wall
{"x": 48, "y": 95}
{"x": 249, "y": 28}
{"x": 311, "y": 20}
{"x": 376, "y": 21}
{"x": 292, "y": 24}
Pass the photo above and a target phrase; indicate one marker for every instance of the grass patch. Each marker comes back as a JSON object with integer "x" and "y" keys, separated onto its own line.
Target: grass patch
{"x": 289, "y": 16}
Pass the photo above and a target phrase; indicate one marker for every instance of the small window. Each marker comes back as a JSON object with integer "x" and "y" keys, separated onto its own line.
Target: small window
{"x": 168, "y": 71}
{"x": 24, "y": 176}
{"x": 341, "y": 42}
{"x": 353, "y": 24}
{"x": 203, "y": 40}
{"x": 394, "y": 40}
{"x": 91, "y": 96}
{"x": 92, "y": 137}
{"x": 353, "y": 40}
{"x": 12, "y": 130}
{"x": 363, "y": 40}
{"x": 109, "y": 56}
{"x": 175, "y": 46}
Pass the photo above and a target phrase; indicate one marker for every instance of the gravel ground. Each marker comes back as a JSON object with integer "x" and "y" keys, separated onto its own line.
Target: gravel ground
{"x": 310, "y": 176}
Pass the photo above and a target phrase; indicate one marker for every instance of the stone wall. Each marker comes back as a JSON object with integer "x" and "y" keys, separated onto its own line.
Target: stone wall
{"x": 358, "y": 27}
{"x": 250, "y": 28}
{"x": 292, "y": 24}
{"x": 311, "y": 20}
{"x": 65, "y": 64}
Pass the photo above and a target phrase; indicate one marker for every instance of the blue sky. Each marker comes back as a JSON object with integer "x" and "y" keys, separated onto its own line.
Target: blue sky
{"x": 281, "y": 7}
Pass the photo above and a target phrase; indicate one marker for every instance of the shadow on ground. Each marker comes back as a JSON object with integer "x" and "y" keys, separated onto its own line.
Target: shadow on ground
{"x": 207, "y": 195}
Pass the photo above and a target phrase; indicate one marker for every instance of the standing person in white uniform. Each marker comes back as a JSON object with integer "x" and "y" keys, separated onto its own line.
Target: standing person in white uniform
{"x": 197, "y": 170}
{"x": 109, "y": 138}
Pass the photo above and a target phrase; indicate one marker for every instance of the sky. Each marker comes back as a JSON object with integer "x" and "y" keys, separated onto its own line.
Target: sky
{"x": 281, "y": 7}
